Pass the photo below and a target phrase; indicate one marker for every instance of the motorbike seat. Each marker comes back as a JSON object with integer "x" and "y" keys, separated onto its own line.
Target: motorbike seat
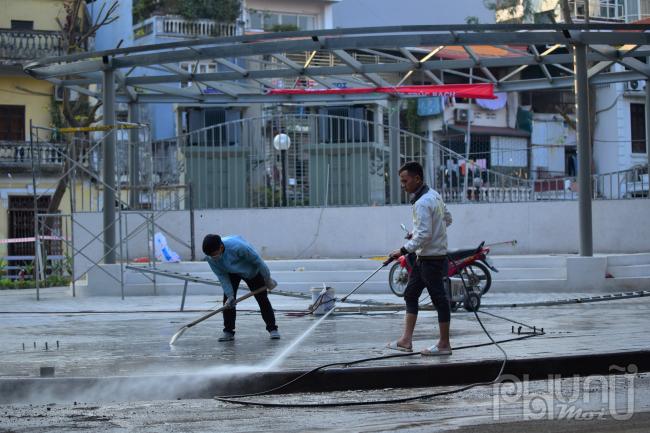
{"x": 461, "y": 254}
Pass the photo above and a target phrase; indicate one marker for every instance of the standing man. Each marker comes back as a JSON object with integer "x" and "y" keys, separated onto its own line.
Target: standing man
{"x": 429, "y": 241}
{"x": 232, "y": 259}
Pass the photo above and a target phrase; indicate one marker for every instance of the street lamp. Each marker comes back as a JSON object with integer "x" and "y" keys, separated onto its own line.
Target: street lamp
{"x": 282, "y": 142}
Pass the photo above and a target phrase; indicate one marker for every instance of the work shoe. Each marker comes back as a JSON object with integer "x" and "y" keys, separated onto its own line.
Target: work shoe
{"x": 274, "y": 335}
{"x": 227, "y": 336}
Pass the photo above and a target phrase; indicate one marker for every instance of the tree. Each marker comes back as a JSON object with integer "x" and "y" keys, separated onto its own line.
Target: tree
{"x": 77, "y": 30}
{"x": 511, "y": 8}
{"x": 218, "y": 10}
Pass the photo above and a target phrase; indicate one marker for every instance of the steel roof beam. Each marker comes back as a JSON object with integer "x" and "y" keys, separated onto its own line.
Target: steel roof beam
{"x": 360, "y": 68}
{"x": 510, "y": 86}
{"x": 339, "y": 44}
{"x": 317, "y": 34}
{"x": 418, "y": 65}
{"x": 566, "y": 82}
{"x": 300, "y": 70}
{"x": 556, "y": 59}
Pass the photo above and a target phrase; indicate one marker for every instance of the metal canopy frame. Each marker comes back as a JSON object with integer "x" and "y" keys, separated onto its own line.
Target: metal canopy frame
{"x": 395, "y": 53}
{"x": 150, "y": 74}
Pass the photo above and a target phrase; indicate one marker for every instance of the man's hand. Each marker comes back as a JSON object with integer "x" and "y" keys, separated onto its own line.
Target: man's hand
{"x": 270, "y": 284}
{"x": 395, "y": 254}
{"x": 230, "y": 302}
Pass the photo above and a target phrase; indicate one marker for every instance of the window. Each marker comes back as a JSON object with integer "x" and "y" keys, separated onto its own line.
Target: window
{"x": 266, "y": 20}
{"x": 611, "y": 9}
{"x": 22, "y": 25}
{"x": 12, "y": 122}
{"x": 200, "y": 68}
{"x": 637, "y": 127}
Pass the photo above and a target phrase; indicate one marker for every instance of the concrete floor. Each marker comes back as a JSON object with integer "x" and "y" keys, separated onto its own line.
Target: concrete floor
{"x": 101, "y": 337}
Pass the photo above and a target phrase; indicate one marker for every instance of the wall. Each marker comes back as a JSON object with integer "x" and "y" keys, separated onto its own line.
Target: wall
{"x": 36, "y": 101}
{"x": 539, "y": 228}
{"x": 609, "y": 107}
{"x": 42, "y": 12}
{"x": 354, "y": 13}
{"x": 119, "y": 30}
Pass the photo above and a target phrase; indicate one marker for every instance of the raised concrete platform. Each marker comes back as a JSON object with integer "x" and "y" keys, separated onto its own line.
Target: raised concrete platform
{"x": 531, "y": 273}
{"x": 172, "y": 387}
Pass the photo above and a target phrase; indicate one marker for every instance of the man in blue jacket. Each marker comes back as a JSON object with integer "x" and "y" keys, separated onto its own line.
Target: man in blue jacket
{"x": 232, "y": 259}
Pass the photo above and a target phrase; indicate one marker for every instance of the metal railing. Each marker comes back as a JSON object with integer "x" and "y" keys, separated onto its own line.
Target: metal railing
{"x": 331, "y": 161}
{"x": 177, "y": 26}
{"x": 343, "y": 161}
{"x": 18, "y": 154}
{"x": 18, "y": 45}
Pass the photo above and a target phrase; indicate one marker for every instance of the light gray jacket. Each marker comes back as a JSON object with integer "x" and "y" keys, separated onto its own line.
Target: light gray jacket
{"x": 430, "y": 221}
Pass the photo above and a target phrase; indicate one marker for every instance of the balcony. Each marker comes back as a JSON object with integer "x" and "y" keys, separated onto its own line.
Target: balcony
{"x": 17, "y": 156}
{"x": 19, "y": 46}
{"x": 178, "y": 27}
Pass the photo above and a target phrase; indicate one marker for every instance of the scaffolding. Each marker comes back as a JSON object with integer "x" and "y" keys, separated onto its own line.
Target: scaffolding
{"x": 84, "y": 181}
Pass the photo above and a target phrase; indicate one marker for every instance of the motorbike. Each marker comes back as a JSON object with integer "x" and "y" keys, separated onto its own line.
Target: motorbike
{"x": 466, "y": 268}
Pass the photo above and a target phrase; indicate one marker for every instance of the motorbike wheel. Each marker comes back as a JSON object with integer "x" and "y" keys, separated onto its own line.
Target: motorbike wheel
{"x": 397, "y": 279}
{"x": 472, "y": 302}
{"x": 479, "y": 276}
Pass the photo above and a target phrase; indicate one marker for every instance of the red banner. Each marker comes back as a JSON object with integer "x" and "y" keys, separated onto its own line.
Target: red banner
{"x": 480, "y": 91}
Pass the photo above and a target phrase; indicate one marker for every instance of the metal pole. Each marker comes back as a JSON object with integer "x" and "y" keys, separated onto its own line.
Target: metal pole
{"x": 468, "y": 141}
{"x": 393, "y": 142}
{"x": 37, "y": 252}
{"x": 430, "y": 166}
{"x": 647, "y": 129}
{"x": 584, "y": 149}
{"x": 134, "y": 155}
{"x": 192, "y": 241}
{"x": 283, "y": 156}
{"x": 109, "y": 165}
{"x": 73, "y": 206}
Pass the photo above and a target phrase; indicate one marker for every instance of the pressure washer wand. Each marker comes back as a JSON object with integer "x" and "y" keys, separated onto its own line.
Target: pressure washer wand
{"x": 182, "y": 330}
{"x": 383, "y": 265}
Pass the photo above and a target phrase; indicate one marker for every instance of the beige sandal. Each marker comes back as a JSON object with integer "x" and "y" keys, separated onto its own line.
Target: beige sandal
{"x": 394, "y": 346}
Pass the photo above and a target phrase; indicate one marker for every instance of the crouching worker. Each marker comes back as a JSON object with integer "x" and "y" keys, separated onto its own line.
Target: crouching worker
{"x": 232, "y": 259}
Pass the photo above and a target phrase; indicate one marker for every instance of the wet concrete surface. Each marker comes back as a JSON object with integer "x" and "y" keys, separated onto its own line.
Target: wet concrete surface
{"x": 131, "y": 339}
{"x": 485, "y": 408}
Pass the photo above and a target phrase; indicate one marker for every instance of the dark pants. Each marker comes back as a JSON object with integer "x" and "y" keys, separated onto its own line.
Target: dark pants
{"x": 262, "y": 298}
{"x": 428, "y": 273}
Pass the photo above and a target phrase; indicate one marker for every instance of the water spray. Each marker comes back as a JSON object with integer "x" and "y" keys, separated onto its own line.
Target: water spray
{"x": 298, "y": 340}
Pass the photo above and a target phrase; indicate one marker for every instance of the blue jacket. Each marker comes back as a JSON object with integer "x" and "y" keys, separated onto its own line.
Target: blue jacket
{"x": 239, "y": 258}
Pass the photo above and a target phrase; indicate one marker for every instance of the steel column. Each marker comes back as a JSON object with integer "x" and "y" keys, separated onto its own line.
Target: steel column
{"x": 134, "y": 156}
{"x": 393, "y": 143}
{"x": 109, "y": 166}
{"x": 584, "y": 149}
{"x": 647, "y": 127}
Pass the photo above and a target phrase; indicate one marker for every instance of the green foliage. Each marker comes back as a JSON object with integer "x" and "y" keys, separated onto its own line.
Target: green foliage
{"x": 219, "y": 10}
{"x": 57, "y": 118}
{"x": 472, "y": 20}
{"x": 29, "y": 269}
{"x": 51, "y": 281}
{"x": 511, "y": 7}
{"x": 411, "y": 117}
{"x": 3, "y": 266}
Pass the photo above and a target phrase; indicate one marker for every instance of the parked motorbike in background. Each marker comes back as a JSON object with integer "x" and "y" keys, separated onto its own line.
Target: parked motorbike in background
{"x": 468, "y": 267}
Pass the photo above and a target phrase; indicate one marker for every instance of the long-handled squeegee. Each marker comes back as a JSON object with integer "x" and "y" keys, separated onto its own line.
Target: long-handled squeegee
{"x": 182, "y": 330}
